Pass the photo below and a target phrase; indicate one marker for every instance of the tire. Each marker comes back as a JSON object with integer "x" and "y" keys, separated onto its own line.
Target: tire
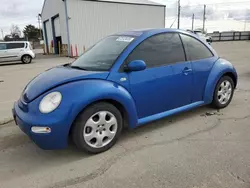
{"x": 90, "y": 128}
{"x": 221, "y": 92}
{"x": 26, "y": 59}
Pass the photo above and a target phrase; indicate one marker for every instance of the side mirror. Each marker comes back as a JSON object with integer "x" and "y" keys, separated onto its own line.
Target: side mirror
{"x": 136, "y": 65}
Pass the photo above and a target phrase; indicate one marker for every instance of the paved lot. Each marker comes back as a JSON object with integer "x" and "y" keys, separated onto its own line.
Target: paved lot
{"x": 14, "y": 76}
{"x": 195, "y": 149}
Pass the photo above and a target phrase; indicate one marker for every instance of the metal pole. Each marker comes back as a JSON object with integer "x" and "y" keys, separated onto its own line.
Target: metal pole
{"x": 67, "y": 25}
{"x": 179, "y": 14}
{"x": 193, "y": 22}
{"x": 204, "y": 18}
{"x": 39, "y": 24}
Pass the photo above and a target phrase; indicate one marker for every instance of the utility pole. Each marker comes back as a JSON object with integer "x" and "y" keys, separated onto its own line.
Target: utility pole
{"x": 204, "y": 18}
{"x": 193, "y": 22}
{"x": 39, "y": 24}
{"x": 179, "y": 14}
{"x": 2, "y": 33}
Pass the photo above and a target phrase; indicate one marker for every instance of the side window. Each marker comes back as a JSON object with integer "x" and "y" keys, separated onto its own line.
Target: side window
{"x": 15, "y": 45}
{"x": 3, "y": 46}
{"x": 162, "y": 49}
{"x": 195, "y": 49}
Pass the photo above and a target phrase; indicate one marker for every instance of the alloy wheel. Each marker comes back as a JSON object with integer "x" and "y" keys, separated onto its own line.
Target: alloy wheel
{"x": 100, "y": 129}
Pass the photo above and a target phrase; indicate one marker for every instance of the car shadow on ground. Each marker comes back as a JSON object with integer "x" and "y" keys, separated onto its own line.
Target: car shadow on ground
{"x": 29, "y": 153}
{"x": 73, "y": 152}
{"x": 10, "y": 63}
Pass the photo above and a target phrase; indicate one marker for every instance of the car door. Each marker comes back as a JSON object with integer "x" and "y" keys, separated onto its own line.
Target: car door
{"x": 202, "y": 63}
{"x": 159, "y": 87}
{"x": 14, "y": 50}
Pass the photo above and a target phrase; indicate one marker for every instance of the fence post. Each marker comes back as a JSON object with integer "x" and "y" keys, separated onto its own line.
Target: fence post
{"x": 234, "y": 36}
{"x": 220, "y": 37}
{"x": 240, "y": 36}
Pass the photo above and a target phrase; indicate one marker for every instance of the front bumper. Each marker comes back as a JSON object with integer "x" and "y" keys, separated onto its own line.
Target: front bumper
{"x": 33, "y": 55}
{"x": 56, "y": 139}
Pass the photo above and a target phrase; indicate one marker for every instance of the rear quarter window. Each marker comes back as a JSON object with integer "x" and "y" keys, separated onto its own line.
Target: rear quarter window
{"x": 195, "y": 49}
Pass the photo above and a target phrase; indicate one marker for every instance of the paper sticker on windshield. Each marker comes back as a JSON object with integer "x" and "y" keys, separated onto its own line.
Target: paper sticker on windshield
{"x": 125, "y": 39}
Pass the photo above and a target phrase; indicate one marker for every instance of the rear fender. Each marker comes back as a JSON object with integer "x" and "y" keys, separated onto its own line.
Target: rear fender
{"x": 220, "y": 68}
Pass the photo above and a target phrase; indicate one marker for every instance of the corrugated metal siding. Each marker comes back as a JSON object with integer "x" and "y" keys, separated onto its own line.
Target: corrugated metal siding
{"x": 51, "y": 9}
{"x": 91, "y": 21}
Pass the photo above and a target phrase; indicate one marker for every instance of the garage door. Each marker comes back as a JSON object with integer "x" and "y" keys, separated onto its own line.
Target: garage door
{"x": 49, "y": 34}
{"x": 57, "y": 27}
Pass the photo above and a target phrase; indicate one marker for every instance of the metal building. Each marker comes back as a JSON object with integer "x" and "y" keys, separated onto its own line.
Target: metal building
{"x": 78, "y": 24}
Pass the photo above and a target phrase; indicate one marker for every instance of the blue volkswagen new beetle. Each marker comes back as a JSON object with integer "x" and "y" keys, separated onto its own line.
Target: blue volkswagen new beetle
{"x": 125, "y": 80}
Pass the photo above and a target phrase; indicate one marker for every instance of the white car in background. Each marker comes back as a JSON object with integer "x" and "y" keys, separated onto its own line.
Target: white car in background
{"x": 16, "y": 51}
{"x": 202, "y": 36}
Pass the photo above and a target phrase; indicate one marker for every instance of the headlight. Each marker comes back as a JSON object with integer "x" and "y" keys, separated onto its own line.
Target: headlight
{"x": 50, "y": 102}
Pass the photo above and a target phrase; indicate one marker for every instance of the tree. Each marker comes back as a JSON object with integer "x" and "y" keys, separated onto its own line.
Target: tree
{"x": 7, "y": 38}
{"x": 15, "y": 32}
{"x": 31, "y": 32}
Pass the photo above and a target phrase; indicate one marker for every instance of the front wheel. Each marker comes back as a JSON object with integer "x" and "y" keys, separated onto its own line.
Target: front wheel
{"x": 97, "y": 128}
{"x": 223, "y": 93}
{"x": 26, "y": 59}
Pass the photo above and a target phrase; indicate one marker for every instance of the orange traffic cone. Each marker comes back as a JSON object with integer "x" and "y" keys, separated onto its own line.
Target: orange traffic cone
{"x": 76, "y": 51}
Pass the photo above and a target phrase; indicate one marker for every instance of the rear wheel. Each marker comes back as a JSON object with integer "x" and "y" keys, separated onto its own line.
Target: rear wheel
{"x": 97, "y": 128}
{"x": 223, "y": 92}
{"x": 26, "y": 59}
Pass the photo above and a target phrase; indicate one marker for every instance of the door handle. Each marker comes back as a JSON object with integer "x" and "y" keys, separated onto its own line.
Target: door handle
{"x": 187, "y": 70}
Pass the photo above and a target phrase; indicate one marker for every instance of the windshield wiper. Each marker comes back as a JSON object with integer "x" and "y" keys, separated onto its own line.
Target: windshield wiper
{"x": 78, "y": 67}
{"x": 66, "y": 65}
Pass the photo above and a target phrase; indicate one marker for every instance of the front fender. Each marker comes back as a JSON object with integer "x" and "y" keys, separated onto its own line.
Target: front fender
{"x": 83, "y": 93}
{"x": 220, "y": 68}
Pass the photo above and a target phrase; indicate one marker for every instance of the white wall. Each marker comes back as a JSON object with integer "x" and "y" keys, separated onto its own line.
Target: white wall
{"x": 90, "y": 21}
{"x": 50, "y": 9}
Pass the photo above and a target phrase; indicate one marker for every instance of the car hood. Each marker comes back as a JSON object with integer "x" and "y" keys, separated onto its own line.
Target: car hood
{"x": 55, "y": 77}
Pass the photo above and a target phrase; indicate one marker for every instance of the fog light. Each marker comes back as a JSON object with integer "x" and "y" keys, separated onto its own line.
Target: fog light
{"x": 41, "y": 130}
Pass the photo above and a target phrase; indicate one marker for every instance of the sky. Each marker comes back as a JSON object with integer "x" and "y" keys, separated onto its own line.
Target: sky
{"x": 221, "y": 15}
{"x": 19, "y": 12}
{"x": 23, "y": 12}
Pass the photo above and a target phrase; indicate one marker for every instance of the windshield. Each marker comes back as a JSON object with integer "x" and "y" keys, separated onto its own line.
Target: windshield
{"x": 102, "y": 55}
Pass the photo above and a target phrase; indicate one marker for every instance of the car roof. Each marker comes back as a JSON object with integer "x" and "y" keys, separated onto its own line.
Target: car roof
{"x": 145, "y": 33}
{"x": 14, "y": 42}
{"x": 139, "y": 32}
